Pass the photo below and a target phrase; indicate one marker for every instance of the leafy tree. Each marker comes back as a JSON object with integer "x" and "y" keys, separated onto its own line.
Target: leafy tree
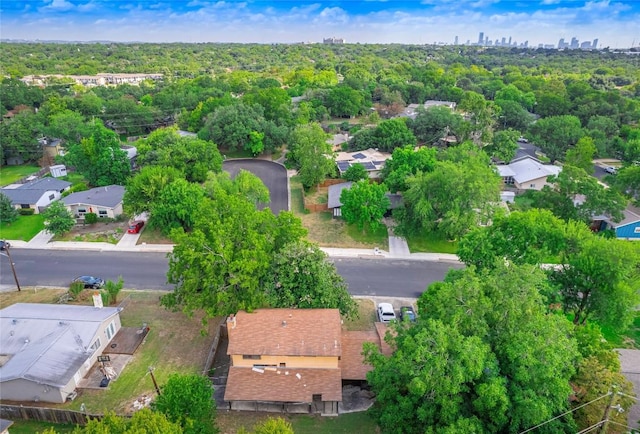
{"x": 559, "y": 197}
{"x": 364, "y": 204}
{"x": 454, "y": 197}
{"x": 275, "y": 101}
{"x": 193, "y": 157}
{"x": 230, "y": 126}
{"x": 521, "y": 237}
{"x": 313, "y": 154}
{"x": 493, "y": 361}
{"x": 273, "y": 425}
{"x": 58, "y": 219}
{"x": 187, "y": 399}
{"x": 99, "y": 157}
{"x": 245, "y": 184}
{"x": 627, "y": 181}
{"x": 8, "y": 214}
{"x": 144, "y": 421}
{"x": 481, "y": 113}
{"x": 600, "y": 281}
{"x": 344, "y": 101}
{"x": 301, "y": 277}
{"x": 143, "y": 189}
{"x": 404, "y": 163}
{"x": 220, "y": 265}
{"x": 582, "y": 154}
{"x": 393, "y": 133}
{"x": 19, "y": 136}
{"x": 176, "y": 206}
{"x": 556, "y": 134}
{"x": 256, "y": 146}
{"x": 504, "y": 145}
{"x": 69, "y": 126}
{"x": 355, "y": 173}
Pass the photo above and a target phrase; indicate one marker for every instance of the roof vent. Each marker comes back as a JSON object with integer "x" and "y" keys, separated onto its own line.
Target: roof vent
{"x": 284, "y": 323}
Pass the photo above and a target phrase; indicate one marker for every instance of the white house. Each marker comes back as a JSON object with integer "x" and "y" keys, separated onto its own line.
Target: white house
{"x": 37, "y": 194}
{"x": 372, "y": 160}
{"x": 527, "y": 173}
{"x": 46, "y": 349}
{"x": 103, "y": 201}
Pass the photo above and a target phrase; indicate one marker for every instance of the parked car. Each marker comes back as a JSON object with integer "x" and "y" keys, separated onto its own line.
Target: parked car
{"x": 90, "y": 281}
{"x": 407, "y": 312}
{"x": 610, "y": 169}
{"x": 4, "y": 245}
{"x": 385, "y": 312}
{"x": 135, "y": 227}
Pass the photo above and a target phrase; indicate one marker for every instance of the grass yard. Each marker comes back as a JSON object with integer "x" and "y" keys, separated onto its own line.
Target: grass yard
{"x": 153, "y": 236}
{"x": 10, "y": 174}
{"x": 174, "y": 344}
{"x": 24, "y": 228}
{"x": 430, "y": 242}
{"x": 628, "y": 339}
{"x": 232, "y": 422}
{"x": 33, "y": 426}
{"x": 366, "y": 316}
{"x": 239, "y": 153}
{"x": 329, "y": 232}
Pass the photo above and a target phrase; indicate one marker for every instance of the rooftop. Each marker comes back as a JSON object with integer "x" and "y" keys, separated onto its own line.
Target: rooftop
{"x": 108, "y": 196}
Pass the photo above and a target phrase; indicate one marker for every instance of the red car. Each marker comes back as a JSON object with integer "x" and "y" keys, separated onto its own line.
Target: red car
{"x": 136, "y": 227}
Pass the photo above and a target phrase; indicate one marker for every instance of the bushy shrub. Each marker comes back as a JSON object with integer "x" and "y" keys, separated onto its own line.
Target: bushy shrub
{"x": 90, "y": 218}
{"x": 76, "y": 288}
{"x": 26, "y": 211}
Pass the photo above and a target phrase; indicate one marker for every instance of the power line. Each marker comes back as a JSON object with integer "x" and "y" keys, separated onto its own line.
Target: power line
{"x": 566, "y": 413}
{"x": 591, "y": 428}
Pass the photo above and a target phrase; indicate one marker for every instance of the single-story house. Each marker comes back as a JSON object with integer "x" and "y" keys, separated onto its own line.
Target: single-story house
{"x": 527, "y": 173}
{"x": 52, "y": 147}
{"x": 37, "y": 194}
{"x": 46, "y": 349}
{"x": 337, "y": 140}
{"x": 132, "y": 155}
{"x": 335, "y": 191}
{"x": 628, "y": 228}
{"x": 103, "y": 201}
{"x": 411, "y": 111}
{"x": 5, "y": 424}
{"x": 372, "y": 160}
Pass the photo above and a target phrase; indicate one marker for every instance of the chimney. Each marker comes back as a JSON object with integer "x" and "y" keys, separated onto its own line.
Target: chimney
{"x": 232, "y": 320}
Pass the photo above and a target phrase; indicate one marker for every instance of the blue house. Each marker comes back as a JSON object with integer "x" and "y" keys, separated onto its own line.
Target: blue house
{"x": 629, "y": 227}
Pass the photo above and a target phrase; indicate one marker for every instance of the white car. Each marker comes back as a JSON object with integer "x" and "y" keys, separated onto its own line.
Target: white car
{"x": 610, "y": 169}
{"x": 385, "y": 312}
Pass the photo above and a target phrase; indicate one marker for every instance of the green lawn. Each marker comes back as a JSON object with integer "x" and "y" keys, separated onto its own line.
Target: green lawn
{"x": 239, "y": 153}
{"x": 345, "y": 423}
{"x": 380, "y": 237}
{"x": 33, "y": 427}
{"x": 627, "y": 339}
{"x": 10, "y": 174}
{"x": 25, "y": 228}
{"x": 431, "y": 242}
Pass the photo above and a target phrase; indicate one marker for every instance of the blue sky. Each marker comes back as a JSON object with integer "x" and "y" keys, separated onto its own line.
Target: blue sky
{"x": 616, "y": 23}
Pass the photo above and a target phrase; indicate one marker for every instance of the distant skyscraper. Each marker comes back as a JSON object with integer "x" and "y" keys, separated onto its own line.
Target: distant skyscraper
{"x": 504, "y": 41}
{"x": 574, "y": 42}
{"x": 509, "y": 40}
{"x": 481, "y": 39}
{"x": 456, "y": 41}
{"x": 561, "y": 43}
{"x": 595, "y": 44}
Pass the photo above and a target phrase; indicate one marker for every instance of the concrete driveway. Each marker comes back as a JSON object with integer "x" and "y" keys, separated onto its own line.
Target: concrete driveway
{"x": 273, "y": 175}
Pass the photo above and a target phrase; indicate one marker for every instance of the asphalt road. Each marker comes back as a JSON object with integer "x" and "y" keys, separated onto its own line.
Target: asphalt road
{"x": 273, "y": 175}
{"x": 380, "y": 277}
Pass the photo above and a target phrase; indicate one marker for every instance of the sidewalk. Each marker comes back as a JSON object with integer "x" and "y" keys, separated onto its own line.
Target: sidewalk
{"x": 128, "y": 243}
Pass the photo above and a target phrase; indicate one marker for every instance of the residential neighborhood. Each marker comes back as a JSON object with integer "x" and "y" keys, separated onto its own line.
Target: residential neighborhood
{"x": 219, "y": 249}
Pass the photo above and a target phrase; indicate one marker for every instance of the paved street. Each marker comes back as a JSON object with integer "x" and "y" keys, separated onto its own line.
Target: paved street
{"x": 273, "y": 175}
{"x": 147, "y": 270}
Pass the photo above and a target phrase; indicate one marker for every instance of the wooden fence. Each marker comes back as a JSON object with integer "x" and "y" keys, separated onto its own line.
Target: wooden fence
{"x": 45, "y": 414}
{"x": 38, "y": 174}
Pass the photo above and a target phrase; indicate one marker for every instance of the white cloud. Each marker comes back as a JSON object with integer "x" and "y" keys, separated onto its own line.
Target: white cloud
{"x": 58, "y": 5}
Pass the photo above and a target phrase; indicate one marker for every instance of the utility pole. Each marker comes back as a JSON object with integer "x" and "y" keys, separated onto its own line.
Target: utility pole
{"x": 605, "y": 416}
{"x": 13, "y": 267}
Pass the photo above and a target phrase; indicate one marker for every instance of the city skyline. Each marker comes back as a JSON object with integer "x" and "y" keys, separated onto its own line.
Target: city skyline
{"x": 546, "y": 22}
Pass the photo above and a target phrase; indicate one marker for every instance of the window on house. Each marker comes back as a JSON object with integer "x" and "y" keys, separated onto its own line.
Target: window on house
{"x": 508, "y": 180}
{"x": 532, "y": 186}
{"x": 95, "y": 345}
{"x": 251, "y": 357}
{"x": 636, "y": 230}
{"x": 51, "y": 196}
{"x": 111, "y": 330}
{"x": 24, "y": 206}
{"x": 102, "y": 213}
{"x": 82, "y": 210}
{"x": 283, "y": 365}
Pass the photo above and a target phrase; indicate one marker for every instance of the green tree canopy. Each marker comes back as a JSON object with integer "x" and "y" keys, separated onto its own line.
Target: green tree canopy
{"x": 313, "y": 154}
{"x": 344, "y": 101}
{"x": 404, "y": 163}
{"x": 58, "y": 220}
{"x": 187, "y": 399}
{"x": 301, "y": 277}
{"x": 355, "y": 172}
{"x": 8, "y": 214}
{"x": 582, "y": 154}
{"x": 556, "y": 134}
{"x": 144, "y": 188}
{"x": 364, "y": 204}
{"x": 176, "y": 206}
{"x": 245, "y": 184}
{"x": 434, "y": 123}
{"x": 504, "y": 145}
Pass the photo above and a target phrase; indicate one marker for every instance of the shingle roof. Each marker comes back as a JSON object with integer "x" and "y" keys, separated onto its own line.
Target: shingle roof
{"x": 48, "y": 343}
{"x": 108, "y": 196}
{"x": 31, "y": 192}
{"x": 46, "y": 184}
{"x": 631, "y": 215}
{"x": 334, "y": 192}
{"x": 527, "y": 169}
{"x": 352, "y": 362}
{"x": 286, "y": 332}
{"x": 283, "y": 384}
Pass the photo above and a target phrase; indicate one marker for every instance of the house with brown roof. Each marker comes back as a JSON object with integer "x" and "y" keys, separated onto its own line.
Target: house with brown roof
{"x": 292, "y": 360}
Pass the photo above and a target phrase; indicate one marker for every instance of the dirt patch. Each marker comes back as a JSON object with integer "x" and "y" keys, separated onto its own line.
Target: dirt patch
{"x": 110, "y": 232}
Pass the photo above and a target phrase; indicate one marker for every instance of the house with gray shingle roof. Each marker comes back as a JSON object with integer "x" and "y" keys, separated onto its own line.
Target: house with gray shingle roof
{"x": 106, "y": 202}
{"x": 36, "y": 194}
{"x": 46, "y": 349}
{"x": 527, "y": 173}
